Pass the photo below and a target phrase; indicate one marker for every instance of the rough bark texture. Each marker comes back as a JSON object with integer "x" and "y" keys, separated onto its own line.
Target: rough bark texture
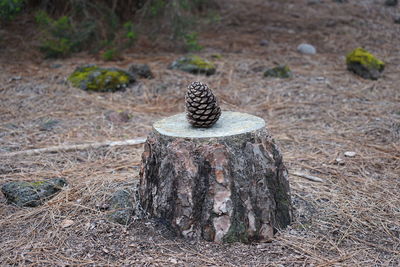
{"x": 226, "y": 189}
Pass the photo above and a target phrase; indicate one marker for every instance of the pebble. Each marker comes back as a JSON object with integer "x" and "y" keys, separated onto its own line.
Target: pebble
{"x": 55, "y": 65}
{"x": 397, "y": 20}
{"x": 16, "y": 78}
{"x": 350, "y": 154}
{"x": 391, "y": 2}
{"x": 66, "y": 223}
{"x": 340, "y": 161}
{"x": 314, "y": 2}
{"x": 264, "y": 43}
{"x": 117, "y": 117}
{"x": 307, "y": 49}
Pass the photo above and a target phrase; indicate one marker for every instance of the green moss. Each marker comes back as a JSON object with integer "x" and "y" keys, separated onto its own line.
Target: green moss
{"x": 279, "y": 72}
{"x": 37, "y": 183}
{"x": 364, "y": 58}
{"x": 216, "y": 56}
{"x": 94, "y": 78}
{"x": 201, "y": 63}
{"x": 194, "y": 64}
{"x": 110, "y": 54}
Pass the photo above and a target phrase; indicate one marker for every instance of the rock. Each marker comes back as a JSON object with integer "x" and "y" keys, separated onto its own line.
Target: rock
{"x": 55, "y": 66}
{"x": 391, "y": 2}
{"x": 364, "y": 64}
{"x": 94, "y": 78}
{"x": 264, "y": 43}
{"x": 118, "y": 116}
{"x": 279, "y": 72}
{"x": 121, "y": 207}
{"x": 32, "y": 194}
{"x": 340, "y": 161}
{"x": 314, "y": 2}
{"x": 397, "y": 20}
{"x": 194, "y": 64}
{"x": 48, "y": 124}
{"x": 66, "y": 223}
{"x": 16, "y": 78}
{"x": 350, "y": 154}
{"x": 340, "y": 1}
{"x": 307, "y": 49}
{"x": 141, "y": 70}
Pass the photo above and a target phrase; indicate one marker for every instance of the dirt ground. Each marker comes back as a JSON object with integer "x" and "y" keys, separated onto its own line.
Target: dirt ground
{"x": 352, "y": 218}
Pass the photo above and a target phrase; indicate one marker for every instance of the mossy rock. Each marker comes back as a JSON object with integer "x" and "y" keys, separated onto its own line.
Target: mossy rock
{"x": 364, "y": 64}
{"x": 194, "y": 64}
{"x": 141, "y": 70}
{"x": 121, "y": 207}
{"x": 279, "y": 72}
{"x": 32, "y": 194}
{"x": 94, "y": 78}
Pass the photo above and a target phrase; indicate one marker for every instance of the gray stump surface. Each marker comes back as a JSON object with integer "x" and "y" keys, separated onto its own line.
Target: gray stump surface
{"x": 226, "y": 183}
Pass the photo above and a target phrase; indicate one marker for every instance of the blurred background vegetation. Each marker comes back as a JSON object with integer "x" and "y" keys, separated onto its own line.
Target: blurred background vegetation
{"x": 108, "y": 27}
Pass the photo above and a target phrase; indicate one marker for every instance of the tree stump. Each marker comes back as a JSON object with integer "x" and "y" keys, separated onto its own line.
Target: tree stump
{"x": 224, "y": 184}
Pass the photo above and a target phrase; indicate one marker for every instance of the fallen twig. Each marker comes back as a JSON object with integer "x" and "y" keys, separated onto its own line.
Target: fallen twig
{"x": 309, "y": 177}
{"x": 53, "y": 149}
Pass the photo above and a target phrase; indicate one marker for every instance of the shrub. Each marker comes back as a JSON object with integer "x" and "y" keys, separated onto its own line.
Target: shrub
{"x": 59, "y": 36}
{"x": 73, "y": 25}
{"x": 9, "y": 8}
{"x": 110, "y": 54}
{"x": 191, "y": 42}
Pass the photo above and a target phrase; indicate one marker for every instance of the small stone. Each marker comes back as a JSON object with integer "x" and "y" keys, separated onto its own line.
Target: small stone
{"x": 48, "y": 125}
{"x": 16, "y": 78}
{"x": 364, "y": 64}
{"x": 32, "y": 194}
{"x": 118, "y": 116}
{"x": 55, "y": 66}
{"x": 350, "y": 154}
{"x": 397, "y": 20}
{"x": 307, "y": 49}
{"x": 141, "y": 70}
{"x": 279, "y": 72}
{"x": 194, "y": 65}
{"x": 66, "y": 223}
{"x": 391, "y": 2}
{"x": 314, "y": 2}
{"x": 340, "y": 161}
{"x": 121, "y": 206}
{"x": 173, "y": 261}
{"x": 264, "y": 43}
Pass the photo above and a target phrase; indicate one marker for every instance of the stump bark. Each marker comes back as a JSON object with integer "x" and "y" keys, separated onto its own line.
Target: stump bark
{"x": 227, "y": 183}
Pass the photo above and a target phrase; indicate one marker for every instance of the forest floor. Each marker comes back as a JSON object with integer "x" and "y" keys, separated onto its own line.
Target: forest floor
{"x": 352, "y": 218}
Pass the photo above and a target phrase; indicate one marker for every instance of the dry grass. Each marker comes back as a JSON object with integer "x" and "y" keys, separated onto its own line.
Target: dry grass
{"x": 351, "y": 219}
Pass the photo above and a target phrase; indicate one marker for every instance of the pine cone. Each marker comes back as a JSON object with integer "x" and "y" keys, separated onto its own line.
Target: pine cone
{"x": 202, "y": 108}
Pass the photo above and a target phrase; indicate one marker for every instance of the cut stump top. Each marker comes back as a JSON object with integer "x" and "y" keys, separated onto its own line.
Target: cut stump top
{"x": 229, "y": 124}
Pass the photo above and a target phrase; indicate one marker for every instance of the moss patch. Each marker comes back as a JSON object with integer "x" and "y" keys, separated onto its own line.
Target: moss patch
{"x": 363, "y": 63}
{"x": 94, "y": 78}
{"x": 194, "y": 64}
{"x": 279, "y": 72}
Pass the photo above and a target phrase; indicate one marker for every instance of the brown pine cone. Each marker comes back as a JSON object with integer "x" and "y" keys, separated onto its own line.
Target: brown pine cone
{"x": 202, "y": 108}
